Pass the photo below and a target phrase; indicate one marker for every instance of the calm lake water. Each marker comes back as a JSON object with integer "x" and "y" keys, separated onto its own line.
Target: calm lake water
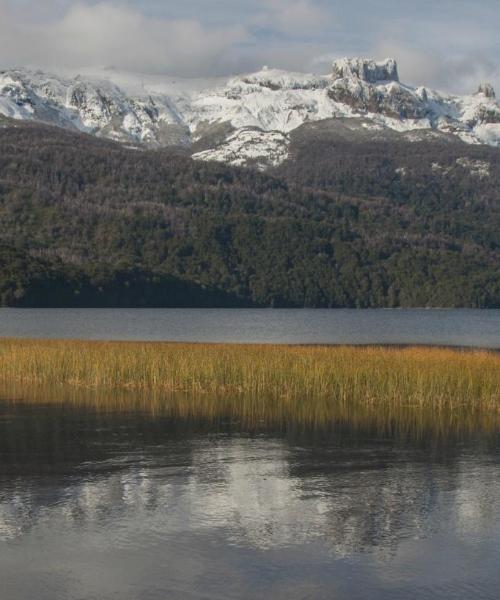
{"x": 130, "y": 506}
{"x": 127, "y": 505}
{"x": 446, "y": 327}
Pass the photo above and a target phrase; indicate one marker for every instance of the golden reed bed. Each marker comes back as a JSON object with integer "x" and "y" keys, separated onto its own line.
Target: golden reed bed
{"x": 305, "y": 381}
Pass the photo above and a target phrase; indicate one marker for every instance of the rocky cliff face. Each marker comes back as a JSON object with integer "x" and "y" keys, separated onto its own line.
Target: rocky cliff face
{"x": 366, "y": 69}
{"x": 486, "y": 89}
{"x": 246, "y": 119}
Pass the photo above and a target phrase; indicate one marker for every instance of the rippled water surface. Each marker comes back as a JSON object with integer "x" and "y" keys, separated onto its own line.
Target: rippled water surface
{"x": 446, "y": 327}
{"x": 131, "y": 506}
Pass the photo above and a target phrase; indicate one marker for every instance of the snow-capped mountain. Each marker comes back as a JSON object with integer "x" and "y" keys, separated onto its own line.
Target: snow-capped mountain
{"x": 246, "y": 119}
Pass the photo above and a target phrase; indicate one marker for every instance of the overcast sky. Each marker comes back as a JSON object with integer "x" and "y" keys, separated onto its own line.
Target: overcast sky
{"x": 449, "y": 44}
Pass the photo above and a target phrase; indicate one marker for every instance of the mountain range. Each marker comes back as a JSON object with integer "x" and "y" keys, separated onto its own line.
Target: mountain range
{"x": 270, "y": 189}
{"x": 248, "y": 119}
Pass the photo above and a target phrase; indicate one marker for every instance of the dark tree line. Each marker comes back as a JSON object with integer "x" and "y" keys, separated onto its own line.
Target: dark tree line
{"x": 86, "y": 222}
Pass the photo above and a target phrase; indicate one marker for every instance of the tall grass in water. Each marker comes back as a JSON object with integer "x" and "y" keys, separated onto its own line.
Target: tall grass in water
{"x": 300, "y": 383}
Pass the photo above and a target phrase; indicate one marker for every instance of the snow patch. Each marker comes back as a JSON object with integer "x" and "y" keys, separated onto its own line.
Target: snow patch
{"x": 249, "y": 147}
{"x": 439, "y": 169}
{"x": 480, "y": 168}
{"x": 488, "y": 134}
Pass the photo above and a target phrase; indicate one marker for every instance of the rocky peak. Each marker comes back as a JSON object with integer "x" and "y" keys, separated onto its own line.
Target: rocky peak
{"x": 366, "y": 69}
{"x": 260, "y": 109}
{"x": 487, "y": 90}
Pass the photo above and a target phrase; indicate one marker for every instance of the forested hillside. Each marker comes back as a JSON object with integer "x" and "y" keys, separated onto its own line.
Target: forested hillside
{"x": 354, "y": 222}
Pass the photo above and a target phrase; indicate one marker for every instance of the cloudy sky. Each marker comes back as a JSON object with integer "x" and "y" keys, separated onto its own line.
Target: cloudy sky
{"x": 450, "y": 44}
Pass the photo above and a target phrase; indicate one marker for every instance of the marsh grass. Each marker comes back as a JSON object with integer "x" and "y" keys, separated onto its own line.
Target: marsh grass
{"x": 302, "y": 384}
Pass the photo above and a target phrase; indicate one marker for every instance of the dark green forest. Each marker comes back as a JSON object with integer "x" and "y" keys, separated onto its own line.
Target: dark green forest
{"x": 343, "y": 223}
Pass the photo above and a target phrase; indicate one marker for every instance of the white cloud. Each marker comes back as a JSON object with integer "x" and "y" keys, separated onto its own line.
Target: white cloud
{"x": 107, "y": 34}
{"x": 450, "y": 45}
{"x": 298, "y": 17}
{"x": 434, "y": 68}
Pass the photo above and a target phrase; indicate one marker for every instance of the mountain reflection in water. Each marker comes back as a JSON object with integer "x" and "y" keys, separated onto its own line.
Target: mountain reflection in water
{"x": 123, "y": 504}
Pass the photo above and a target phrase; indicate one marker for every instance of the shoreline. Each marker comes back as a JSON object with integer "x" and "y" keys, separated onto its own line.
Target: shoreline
{"x": 411, "y": 390}
{"x": 381, "y": 345}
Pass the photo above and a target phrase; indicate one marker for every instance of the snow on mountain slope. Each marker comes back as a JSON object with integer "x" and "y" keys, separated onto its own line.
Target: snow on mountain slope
{"x": 101, "y": 107}
{"x": 256, "y": 111}
{"x": 249, "y": 146}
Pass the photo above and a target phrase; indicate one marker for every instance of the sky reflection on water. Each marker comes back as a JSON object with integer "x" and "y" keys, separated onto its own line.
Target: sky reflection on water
{"x": 132, "y": 506}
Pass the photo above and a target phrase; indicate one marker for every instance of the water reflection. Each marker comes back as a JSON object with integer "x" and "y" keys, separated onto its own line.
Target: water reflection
{"x": 261, "y": 413}
{"x": 105, "y": 505}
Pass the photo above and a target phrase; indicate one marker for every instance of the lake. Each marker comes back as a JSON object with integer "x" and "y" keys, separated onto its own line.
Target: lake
{"x": 479, "y": 328}
{"x": 129, "y": 505}
{"x": 119, "y": 494}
